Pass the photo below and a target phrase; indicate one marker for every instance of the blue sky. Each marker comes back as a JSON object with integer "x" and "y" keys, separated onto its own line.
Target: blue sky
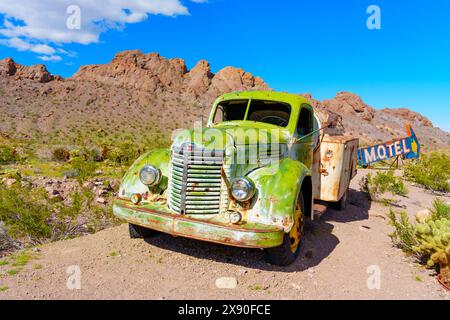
{"x": 319, "y": 46}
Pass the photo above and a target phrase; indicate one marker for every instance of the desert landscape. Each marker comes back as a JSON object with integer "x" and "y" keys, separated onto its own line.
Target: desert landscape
{"x": 337, "y": 251}
{"x": 65, "y": 144}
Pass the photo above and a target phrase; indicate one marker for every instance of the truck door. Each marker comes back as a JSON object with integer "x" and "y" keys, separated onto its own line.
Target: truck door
{"x": 303, "y": 148}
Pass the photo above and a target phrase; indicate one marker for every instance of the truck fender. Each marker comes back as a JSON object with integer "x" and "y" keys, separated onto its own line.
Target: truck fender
{"x": 131, "y": 183}
{"x": 278, "y": 188}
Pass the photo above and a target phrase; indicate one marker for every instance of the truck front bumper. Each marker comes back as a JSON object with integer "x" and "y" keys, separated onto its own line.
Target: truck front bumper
{"x": 210, "y": 229}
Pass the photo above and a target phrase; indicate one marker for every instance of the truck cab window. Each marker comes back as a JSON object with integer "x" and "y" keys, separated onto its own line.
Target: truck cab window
{"x": 276, "y": 113}
{"x": 230, "y": 110}
{"x": 305, "y": 123}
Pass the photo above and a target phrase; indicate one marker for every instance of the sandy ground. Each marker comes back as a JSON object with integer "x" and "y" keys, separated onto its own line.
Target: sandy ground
{"x": 338, "y": 251}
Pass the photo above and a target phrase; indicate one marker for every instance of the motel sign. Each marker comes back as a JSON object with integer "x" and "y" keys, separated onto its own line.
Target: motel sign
{"x": 407, "y": 148}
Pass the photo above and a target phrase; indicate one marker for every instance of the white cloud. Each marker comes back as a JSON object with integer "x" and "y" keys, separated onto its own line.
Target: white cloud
{"x": 41, "y": 26}
{"x": 43, "y": 48}
{"x": 51, "y": 58}
{"x": 23, "y": 45}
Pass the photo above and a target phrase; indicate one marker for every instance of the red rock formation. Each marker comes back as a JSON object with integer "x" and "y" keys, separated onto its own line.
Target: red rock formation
{"x": 349, "y": 103}
{"x": 38, "y": 72}
{"x": 154, "y": 73}
{"x": 408, "y": 115}
{"x": 199, "y": 78}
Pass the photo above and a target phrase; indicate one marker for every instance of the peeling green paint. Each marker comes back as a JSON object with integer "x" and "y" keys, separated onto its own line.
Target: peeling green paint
{"x": 131, "y": 183}
{"x": 277, "y": 192}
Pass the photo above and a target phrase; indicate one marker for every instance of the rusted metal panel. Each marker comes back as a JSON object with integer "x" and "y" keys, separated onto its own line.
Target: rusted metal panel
{"x": 334, "y": 166}
{"x": 214, "y": 229}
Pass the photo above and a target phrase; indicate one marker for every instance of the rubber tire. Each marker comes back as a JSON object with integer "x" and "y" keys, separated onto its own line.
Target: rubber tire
{"x": 341, "y": 205}
{"x": 138, "y": 232}
{"x": 282, "y": 255}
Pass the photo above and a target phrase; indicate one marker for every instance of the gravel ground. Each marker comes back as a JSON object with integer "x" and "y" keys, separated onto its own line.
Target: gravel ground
{"x": 340, "y": 252}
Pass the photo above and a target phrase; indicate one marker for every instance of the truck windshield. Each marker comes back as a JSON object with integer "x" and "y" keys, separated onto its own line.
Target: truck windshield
{"x": 272, "y": 112}
{"x": 230, "y": 110}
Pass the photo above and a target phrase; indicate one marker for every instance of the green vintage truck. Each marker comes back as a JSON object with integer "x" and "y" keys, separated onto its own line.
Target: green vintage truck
{"x": 248, "y": 178}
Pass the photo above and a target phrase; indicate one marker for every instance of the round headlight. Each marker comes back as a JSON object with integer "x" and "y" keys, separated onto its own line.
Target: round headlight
{"x": 150, "y": 175}
{"x": 242, "y": 189}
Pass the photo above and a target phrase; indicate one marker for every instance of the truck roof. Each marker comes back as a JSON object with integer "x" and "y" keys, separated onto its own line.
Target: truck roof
{"x": 292, "y": 99}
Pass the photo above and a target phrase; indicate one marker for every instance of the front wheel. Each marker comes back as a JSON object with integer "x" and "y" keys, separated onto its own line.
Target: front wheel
{"x": 288, "y": 252}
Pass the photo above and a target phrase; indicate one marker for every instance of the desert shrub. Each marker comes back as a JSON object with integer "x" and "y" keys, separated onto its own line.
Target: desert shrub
{"x": 13, "y": 175}
{"x": 83, "y": 169}
{"x": 70, "y": 173}
{"x": 8, "y": 155}
{"x": 75, "y": 153}
{"x": 431, "y": 171}
{"x": 116, "y": 155}
{"x": 440, "y": 210}
{"x": 61, "y": 154}
{"x": 25, "y": 212}
{"x": 94, "y": 154}
{"x": 122, "y": 153}
{"x": 375, "y": 186}
{"x": 80, "y": 216}
{"x": 428, "y": 241}
{"x": 27, "y": 215}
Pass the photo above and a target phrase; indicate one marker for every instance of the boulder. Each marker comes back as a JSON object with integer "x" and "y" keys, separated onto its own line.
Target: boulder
{"x": 7, "y": 67}
{"x": 101, "y": 200}
{"x": 9, "y": 181}
{"x": 349, "y": 103}
{"x": 199, "y": 78}
{"x": 37, "y": 72}
{"x": 226, "y": 283}
{"x": 423, "y": 215}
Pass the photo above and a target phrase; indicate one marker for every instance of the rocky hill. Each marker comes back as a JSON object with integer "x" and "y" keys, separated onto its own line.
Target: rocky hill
{"x": 144, "y": 97}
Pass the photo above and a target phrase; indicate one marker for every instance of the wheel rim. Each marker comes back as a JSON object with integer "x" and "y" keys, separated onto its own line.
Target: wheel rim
{"x": 297, "y": 229}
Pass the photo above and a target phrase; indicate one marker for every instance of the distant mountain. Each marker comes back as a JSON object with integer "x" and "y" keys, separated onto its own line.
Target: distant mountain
{"x": 146, "y": 97}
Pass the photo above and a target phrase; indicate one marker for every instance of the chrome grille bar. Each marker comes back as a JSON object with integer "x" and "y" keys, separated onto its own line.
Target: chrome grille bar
{"x": 195, "y": 181}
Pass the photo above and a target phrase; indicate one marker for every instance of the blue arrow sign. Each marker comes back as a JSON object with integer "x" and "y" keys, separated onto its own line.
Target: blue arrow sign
{"x": 408, "y": 148}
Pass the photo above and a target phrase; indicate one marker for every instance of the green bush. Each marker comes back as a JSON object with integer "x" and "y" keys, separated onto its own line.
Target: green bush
{"x": 61, "y": 154}
{"x": 8, "y": 155}
{"x": 375, "y": 186}
{"x": 31, "y": 217}
{"x": 122, "y": 153}
{"x": 428, "y": 241}
{"x": 84, "y": 169}
{"x": 440, "y": 210}
{"x": 431, "y": 171}
{"x": 25, "y": 212}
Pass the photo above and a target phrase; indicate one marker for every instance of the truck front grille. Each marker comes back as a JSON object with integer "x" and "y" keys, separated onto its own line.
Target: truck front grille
{"x": 195, "y": 181}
